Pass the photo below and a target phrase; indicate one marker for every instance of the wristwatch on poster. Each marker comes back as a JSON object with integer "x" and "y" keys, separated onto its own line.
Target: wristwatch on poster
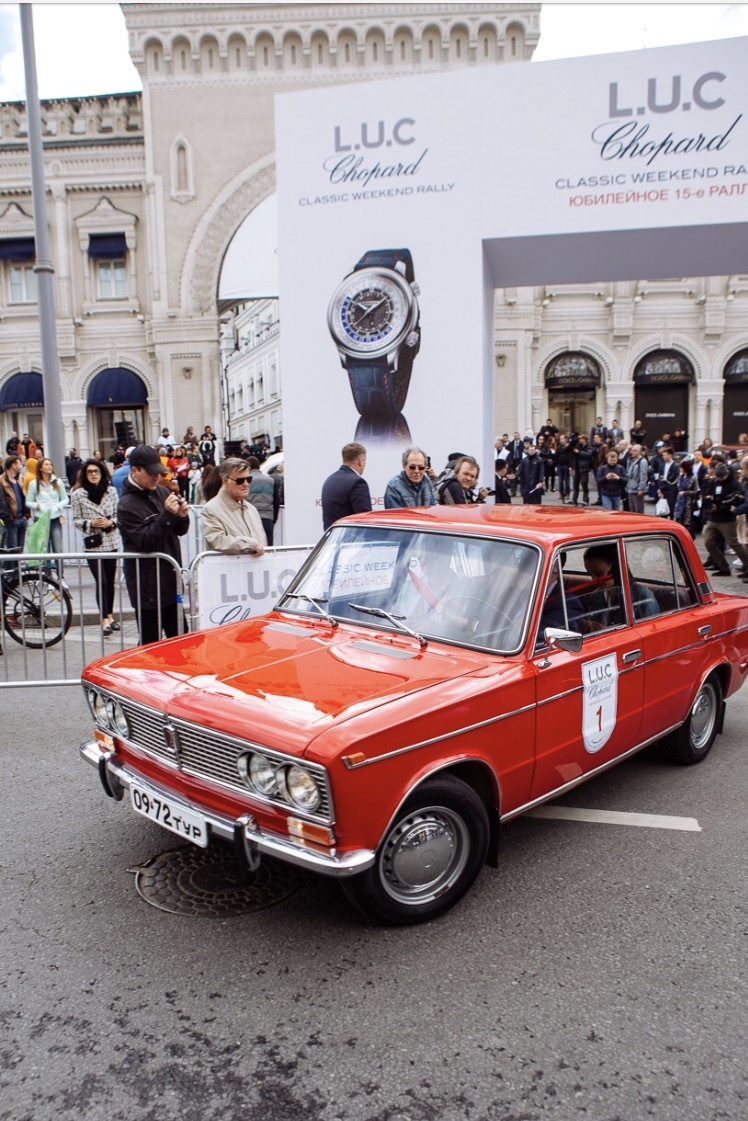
{"x": 374, "y": 319}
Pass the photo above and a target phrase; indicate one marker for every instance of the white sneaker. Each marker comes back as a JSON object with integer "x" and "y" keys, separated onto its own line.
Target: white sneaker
{"x": 737, "y": 564}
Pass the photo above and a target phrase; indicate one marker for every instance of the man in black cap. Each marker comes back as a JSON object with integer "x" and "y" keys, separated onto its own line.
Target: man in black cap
{"x": 151, "y": 519}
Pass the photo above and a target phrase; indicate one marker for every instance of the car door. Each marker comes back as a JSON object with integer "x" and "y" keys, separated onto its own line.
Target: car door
{"x": 673, "y": 626}
{"x": 588, "y": 703}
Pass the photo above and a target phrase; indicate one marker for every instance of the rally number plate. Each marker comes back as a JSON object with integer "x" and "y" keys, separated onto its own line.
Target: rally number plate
{"x": 170, "y": 815}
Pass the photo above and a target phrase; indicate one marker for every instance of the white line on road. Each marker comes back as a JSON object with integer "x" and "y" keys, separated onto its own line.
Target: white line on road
{"x": 616, "y": 817}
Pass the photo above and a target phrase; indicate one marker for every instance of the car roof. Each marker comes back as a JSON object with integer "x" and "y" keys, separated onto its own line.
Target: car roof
{"x": 543, "y": 525}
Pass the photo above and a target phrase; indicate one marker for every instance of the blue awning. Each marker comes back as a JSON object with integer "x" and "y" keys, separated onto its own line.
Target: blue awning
{"x": 22, "y": 391}
{"x": 109, "y": 247}
{"x": 17, "y": 249}
{"x": 116, "y": 386}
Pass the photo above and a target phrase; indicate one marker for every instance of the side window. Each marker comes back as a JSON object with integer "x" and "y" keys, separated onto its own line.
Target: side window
{"x": 658, "y": 577}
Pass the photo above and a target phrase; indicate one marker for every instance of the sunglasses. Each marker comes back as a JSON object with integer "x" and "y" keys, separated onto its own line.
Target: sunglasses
{"x": 416, "y": 467}
{"x": 242, "y": 480}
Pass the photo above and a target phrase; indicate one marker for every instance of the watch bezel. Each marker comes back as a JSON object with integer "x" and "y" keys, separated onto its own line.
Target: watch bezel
{"x": 382, "y": 347}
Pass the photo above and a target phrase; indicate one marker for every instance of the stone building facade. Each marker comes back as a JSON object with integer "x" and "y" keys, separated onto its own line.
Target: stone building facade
{"x": 147, "y": 191}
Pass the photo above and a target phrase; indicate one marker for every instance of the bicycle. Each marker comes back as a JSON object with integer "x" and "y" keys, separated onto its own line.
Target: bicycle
{"x": 35, "y": 607}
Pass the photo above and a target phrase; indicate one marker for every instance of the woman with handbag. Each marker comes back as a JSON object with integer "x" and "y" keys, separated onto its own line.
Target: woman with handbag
{"x": 47, "y": 492}
{"x": 95, "y": 515}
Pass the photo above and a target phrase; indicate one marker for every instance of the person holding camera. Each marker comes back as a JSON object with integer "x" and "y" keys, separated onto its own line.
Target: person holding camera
{"x": 722, "y": 494}
{"x": 151, "y": 519}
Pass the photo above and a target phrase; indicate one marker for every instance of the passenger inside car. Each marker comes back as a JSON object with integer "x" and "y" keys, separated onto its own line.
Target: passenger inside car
{"x": 561, "y": 608}
{"x": 604, "y": 602}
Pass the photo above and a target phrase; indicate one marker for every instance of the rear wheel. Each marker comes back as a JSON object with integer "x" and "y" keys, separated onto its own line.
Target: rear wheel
{"x": 429, "y": 857}
{"x": 37, "y": 610}
{"x": 693, "y": 741}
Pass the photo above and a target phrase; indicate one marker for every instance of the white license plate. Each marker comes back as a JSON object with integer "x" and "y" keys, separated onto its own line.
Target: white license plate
{"x": 170, "y": 815}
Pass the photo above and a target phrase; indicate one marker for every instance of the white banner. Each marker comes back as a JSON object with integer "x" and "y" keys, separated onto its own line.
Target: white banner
{"x": 602, "y": 168}
{"x": 229, "y": 588}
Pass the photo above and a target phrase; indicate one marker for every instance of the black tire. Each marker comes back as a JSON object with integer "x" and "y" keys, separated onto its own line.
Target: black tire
{"x": 37, "y": 610}
{"x": 429, "y": 857}
{"x": 693, "y": 741}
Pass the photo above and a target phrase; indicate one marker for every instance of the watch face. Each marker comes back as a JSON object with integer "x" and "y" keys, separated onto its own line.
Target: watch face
{"x": 372, "y": 311}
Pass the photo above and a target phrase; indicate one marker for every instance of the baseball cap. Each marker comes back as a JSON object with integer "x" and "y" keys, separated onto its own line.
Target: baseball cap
{"x": 143, "y": 456}
{"x": 129, "y": 451}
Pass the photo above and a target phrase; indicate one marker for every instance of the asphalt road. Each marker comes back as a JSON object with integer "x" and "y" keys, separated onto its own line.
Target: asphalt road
{"x": 599, "y": 974}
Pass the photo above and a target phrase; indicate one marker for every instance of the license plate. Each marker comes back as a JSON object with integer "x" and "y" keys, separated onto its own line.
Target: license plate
{"x": 170, "y": 815}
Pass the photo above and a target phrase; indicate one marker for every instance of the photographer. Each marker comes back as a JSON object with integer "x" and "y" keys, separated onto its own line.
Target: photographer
{"x": 722, "y": 495}
{"x": 151, "y": 519}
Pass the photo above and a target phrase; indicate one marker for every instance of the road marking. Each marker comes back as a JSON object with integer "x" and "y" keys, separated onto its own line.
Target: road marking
{"x": 616, "y": 817}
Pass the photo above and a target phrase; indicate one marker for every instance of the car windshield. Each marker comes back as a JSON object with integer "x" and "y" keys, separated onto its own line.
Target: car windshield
{"x": 473, "y": 591}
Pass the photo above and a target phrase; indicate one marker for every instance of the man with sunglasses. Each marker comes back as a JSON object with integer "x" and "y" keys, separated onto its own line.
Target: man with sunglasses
{"x": 231, "y": 523}
{"x": 412, "y": 487}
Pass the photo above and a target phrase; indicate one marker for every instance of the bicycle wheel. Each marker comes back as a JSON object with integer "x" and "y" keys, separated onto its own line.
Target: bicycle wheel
{"x": 37, "y": 610}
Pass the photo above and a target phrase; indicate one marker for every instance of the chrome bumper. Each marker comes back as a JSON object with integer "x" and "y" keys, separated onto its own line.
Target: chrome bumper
{"x": 242, "y": 832}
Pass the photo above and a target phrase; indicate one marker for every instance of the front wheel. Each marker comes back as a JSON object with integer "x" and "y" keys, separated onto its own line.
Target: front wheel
{"x": 37, "y": 610}
{"x": 693, "y": 741}
{"x": 429, "y": 857}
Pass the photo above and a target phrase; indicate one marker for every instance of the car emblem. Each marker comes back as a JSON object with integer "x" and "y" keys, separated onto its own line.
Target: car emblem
{"x": 172, "y": 740}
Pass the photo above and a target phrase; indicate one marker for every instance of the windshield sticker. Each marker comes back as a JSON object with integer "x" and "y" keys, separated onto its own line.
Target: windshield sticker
{"x": 600, "y": 701}
{"x": 364, "y": 568}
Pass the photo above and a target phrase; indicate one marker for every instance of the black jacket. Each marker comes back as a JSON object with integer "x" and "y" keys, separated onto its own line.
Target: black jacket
{"x": 147, "y": 527}
{"x": 344, "y": 492}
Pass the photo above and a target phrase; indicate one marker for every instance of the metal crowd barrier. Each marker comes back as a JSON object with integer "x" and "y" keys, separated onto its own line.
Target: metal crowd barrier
{"x": 51, "y": 626}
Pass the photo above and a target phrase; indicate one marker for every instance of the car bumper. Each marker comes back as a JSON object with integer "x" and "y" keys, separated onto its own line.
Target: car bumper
{"x": 243, "y": 832}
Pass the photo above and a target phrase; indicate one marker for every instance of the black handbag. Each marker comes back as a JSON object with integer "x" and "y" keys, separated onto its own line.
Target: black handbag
{"x": 92, "y": 540}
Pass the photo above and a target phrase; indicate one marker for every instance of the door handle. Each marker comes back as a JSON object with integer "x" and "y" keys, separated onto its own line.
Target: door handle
{"x": 705, "y": 630}
{"x": 631, "y": 656}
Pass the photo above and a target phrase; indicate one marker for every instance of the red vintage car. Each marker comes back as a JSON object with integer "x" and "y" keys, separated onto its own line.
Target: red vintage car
{"x": 428, "y": 675}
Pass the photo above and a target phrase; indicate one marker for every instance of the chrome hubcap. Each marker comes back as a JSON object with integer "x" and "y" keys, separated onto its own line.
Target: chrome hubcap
{"x": 702, "y": 716}
{"x": 424, "y": 855}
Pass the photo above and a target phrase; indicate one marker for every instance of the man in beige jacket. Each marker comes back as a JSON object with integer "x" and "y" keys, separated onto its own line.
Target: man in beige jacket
{"x": 231, "y": 524}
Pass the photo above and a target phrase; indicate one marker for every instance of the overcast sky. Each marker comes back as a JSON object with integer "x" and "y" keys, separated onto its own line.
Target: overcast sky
{"x": 81, "y": 49}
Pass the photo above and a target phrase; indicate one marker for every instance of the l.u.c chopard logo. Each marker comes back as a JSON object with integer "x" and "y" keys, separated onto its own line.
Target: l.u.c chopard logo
{"x": 345, "y": 166}
{"x": 632, "y": 139}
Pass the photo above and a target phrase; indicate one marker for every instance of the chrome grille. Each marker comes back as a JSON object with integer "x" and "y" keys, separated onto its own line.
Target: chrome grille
{"x": 214, "y": 756}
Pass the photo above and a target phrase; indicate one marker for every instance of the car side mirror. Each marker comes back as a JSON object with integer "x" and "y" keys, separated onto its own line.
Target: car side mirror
{"x": 557, "y": 639}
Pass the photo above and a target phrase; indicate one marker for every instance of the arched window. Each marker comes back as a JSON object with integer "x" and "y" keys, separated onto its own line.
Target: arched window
{"x": 573, "y": 369}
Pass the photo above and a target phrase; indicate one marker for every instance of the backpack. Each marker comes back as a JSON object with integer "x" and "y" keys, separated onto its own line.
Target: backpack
{"x": 440, "y": 485}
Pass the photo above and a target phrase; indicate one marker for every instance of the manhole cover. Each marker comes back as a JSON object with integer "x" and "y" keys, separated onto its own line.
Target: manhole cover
{"x": 195, "y": 881}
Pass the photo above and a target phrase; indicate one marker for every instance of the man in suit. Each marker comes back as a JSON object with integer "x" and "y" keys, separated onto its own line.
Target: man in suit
{"x": 345, "y": 492}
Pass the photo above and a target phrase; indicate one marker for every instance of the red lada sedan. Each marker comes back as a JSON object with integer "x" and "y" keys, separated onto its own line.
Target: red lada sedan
{"x": 428, "y": 675}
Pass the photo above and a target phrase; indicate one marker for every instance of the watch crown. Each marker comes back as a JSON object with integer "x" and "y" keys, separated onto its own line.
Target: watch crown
{"x": 412, "y": 339}
{"x": 415, "y": 289}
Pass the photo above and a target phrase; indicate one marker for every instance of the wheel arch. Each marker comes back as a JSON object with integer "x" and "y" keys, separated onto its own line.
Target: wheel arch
{"x": 482, "y": 779}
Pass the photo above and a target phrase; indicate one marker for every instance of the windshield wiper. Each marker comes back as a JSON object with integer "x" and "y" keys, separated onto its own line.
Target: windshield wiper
{"x": 396, "y": 619}
{"x": 315, "y": 603}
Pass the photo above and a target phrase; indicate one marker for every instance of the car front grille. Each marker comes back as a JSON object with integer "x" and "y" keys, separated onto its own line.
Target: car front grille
{"x": 214, "y": 756}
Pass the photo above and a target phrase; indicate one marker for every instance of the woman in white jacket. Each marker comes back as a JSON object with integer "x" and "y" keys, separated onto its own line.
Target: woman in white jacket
{"x": 47, "y": 492}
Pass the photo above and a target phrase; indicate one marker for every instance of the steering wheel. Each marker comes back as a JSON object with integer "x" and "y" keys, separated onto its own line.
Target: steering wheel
{"x": 452, "y": 611}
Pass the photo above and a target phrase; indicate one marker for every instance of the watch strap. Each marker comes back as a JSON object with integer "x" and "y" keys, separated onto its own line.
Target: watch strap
{"x": 387, "y": 259}
{"x": 377, "y": 390}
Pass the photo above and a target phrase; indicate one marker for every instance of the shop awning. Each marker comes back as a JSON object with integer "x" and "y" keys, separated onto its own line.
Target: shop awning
{"x": 17, "y": 249}
{"x": 22, "y": 391}
{"x": 118, "y": 387}
{"x": 109, "y": 247}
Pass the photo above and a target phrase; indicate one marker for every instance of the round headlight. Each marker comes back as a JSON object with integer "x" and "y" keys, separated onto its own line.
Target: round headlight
{"x": 99, "y": 706}
{"x": 119, "y": 720}
{"x": 302, "y": 788}
{"x": 262, "y": 775}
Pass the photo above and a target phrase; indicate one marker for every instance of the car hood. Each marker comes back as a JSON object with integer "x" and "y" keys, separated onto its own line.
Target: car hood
{"x": 278, "y": 681}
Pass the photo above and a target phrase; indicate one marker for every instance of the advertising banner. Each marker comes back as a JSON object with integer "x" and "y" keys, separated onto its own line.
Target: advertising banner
{"x": 403, "y": 204}
{"x": 230, "y": 588}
